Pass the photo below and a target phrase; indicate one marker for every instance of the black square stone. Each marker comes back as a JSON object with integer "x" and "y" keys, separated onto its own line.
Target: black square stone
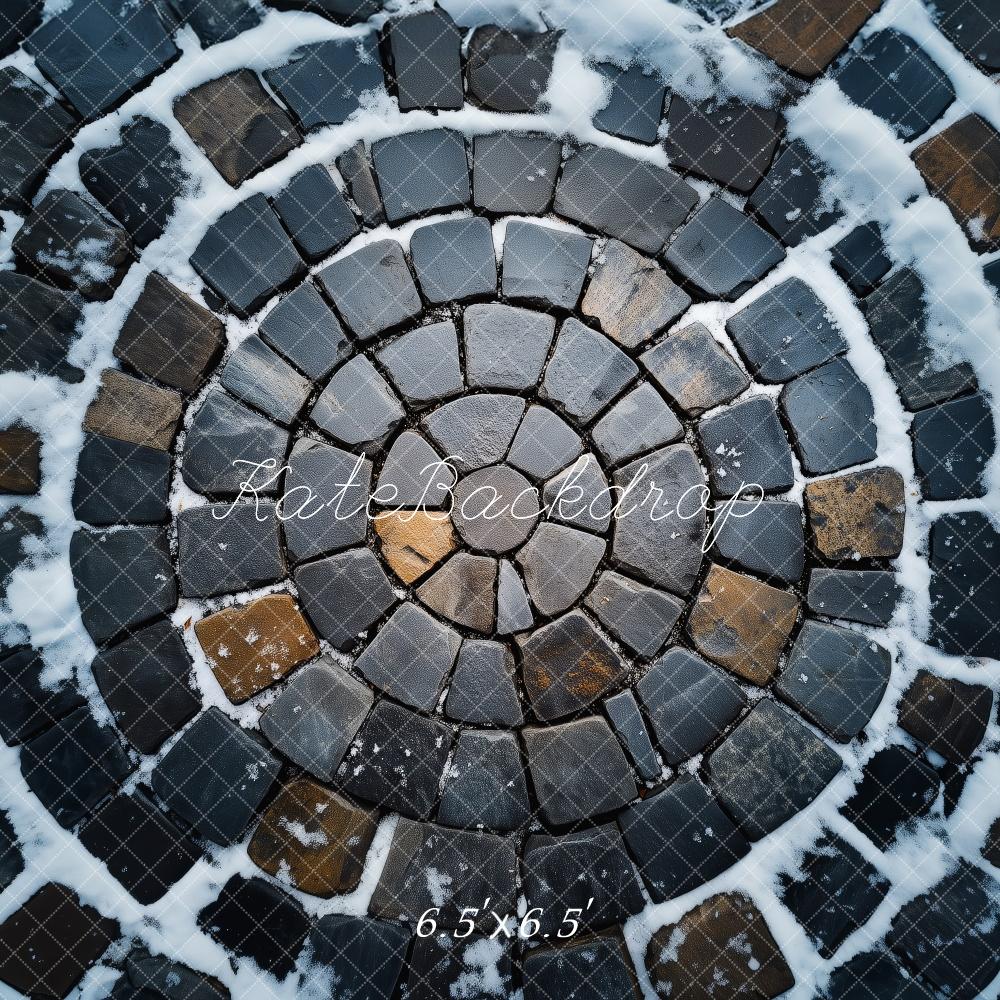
{"x": 26, "y": 705}
{"x": 146, "y": 683}
{"x": 426, "y": 55}
{"x": 722, "y": 251}
{"x": 454, "y": 260}
{"x": 315, "y": 213}
{"x": 894, "y": 78}
{"x": 972, "y": 28}
{"x": 169, "y": 979}
{"x": 260, "y": 377}
{"x": 215, "y": 777}
{"x": 143, "y": 849}
{"x": 324, "y": 83}
{"x": 365, "y": 955}
{"x": 304, "y": 329}
{"x": 514, "y": 173}
{"x": 636, "y": 202}
{"x": 860, "y": 258}
{"x": 509, "y": 70}
{"x": 74, "y": 765}
{"x": 18, "y": 19}
{"x": 544, "y": 264}
{"x": 635, "y": 103}
{"x": 598, "y": 966}
{"x": 246, "y": 256}
{"x": 215, "y": 21}
{"x": 98, "y": 53}
{"x": 123, "y": 578}
{"x": 421, "y": 172}
{"x": 731, "y": 143}
{"x": 876, "y": 973}
{"x": 866, "y": 596}
{"x": 442, "y": 966}
{"x": 120, "y": 483}
{"x": 764, "y": 537}
{"x": 946, "y": 715}
{"x": 952, "y": 444}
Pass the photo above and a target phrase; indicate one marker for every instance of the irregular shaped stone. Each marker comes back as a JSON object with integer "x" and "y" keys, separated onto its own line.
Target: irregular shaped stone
{"x": 52, "y": 964}
{"x": 475, "y": 431}
{"x": 635, "y": 201}
{"x": 558, "y": 563}
{"x": 146, "y": 683}
{"x": 372, "y": 288}
{"x": 514, "y": 173}
{"x": 948, "y": 716}
{"x": 426, "y": 66}
{"x": 588, "y": 870}
{"x": 681, "y": 838}
{"x": 423, "y": 364}
{"x": 578, "y": 770}
{"x": 634, "y": 104}
{"x": 397, "y": 760}
{"x": 237, "y": 125}
{"x": 123, "y": 578}
{"x": 133, "y": 411}
{"x": 495, "y": 508}
{"x": 509, "y": 70}
{"x": 952, "y": 443}
{"x": 143, "y": 850}
{"x": 722, "y": 251}
{"x": 580, "y": 496}
{"x": 442, "y": 965}
{"x": 344, "y": 595}
{"x": 894, "y": 78}
{"x": 601, "y": 964}
{"x": 970, "y": 28}
{"x": 859, "y": 515}
{"x": 414, "y": 475}
{"x": 640, "y": 616}
{"x": 860, "y": 258}
{"x": 365, "y": 955}
{"x": 505, "y": 346}
{"x": 631, "y": 296}
{"x": 722, "y": 949}
{"x": 769, "y": 768}
{"x": 357, "y": 406}
{"x": 29, "y": 706}
{"x": 421, "y": 172}
{"x": 315, "y": 213}
{"x": 414, "y": 542}
{"x": 255, "y": 919}
{"x": 170, "y": 337}
{"x": 326, "y": 82}
{"x": 133, "y": 43}
{"x": 543, "y": 444}
{"x": 216, "y": 21}
{"x": 258, "y": 376}
{"x": 866, "y": 596}
{"x": 543, "y": 264}
{"x": 482, "y": 690}
{"x": 785, "y": 332}
{"x": 355, "y": 167}
{"x": 73, "y": 765}
{"x": 454, "y": 259}
{"x": 139, "y": 180}
{"x": 306, "y": 331}
{"x": 410, "y": 656}
{"x": 659, "y": 535}
{"x": 225, "y": 548}
{"x": 764, "y": 537}
{"x": 513, "y": 611}
{"x": 484, "y": 786}
{"x": 252, "y": 646}
{"x": 336, "y": 486}
{"x": 20, "y": 461}
{"x": 215, "y": 777}
{"x": 318, "y": 839}
{"x": 246, "y": 256}
{"x": 639, "y": 421}
{"x": 432, "y": 865}
{"x": 965, "y": 608}
{"x": 67, "y": 242}
{"x": 462, "y": 591}
{"x": 225, "y": 442}
{"x": 623, "y": 711}
{"x": 744, "y": 445}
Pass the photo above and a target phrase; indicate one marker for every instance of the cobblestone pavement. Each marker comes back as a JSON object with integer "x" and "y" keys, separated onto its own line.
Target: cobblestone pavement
{"x": 553, "y": 711}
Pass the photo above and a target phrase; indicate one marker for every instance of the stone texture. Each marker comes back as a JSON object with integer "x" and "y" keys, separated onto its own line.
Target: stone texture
{"x": 315, "y": 213}
{"x": 946, "y": 715}
{"x": 720, "y": 950}
{"x": 20, "y": 461}
{"x": 639, "y": 616}
{"x": 952, "y": 443}
{"x": 258, "y": 376}
{"x": 366, "y": 956}
{"x": 861, "y": 259}
{"x": 876, "y": 970}
{"x": 475, "y": 431}
{"x": 639, "y": 421}
{"x": 426, "y": 61}
{"x": 623, "y": 711}
{"x": 578, "y": 770}
{"x": 600, "y": 964}
{"x": 169, "y": 337}
{"x": 580, "y": 496}
{"x": 769, "y": 768}
{"x": 631, "y": 296}
{"x": 344, "y": 595}
{"x": 216, "y": 21}
{"x": 252, "y": 646}
{"x": 145, "y": 681}
{"x": 866, "y": 596}
{"x": 495, "y": 508}
{"x": 357, "y": 406}
{"x": 414, "y": 475}
{"x": 514, "y": 173}
{"x": 170, "y": 979}
{"x": 355, "y": 167}
{"x": 894, "y": 78}
{"x": 482, "y": 690}
{"x": 414, "y": 542}
{"x": 440, "y": 966}
{"x": 328, "y": 856}
{"x": 410, "y": 657}
{"x": 130, "y": 410}
{"x": 462, "y": 591}
{"x": 543, "y": 444}
{"x": 971, "y": 28}
{"x": 785, "y": 332}
{"x": 764, "y": 537}
{"x": 505, "y": 346}
{"x": 29, "y": 706}
{"x": 544, "y": 265}
{"x": 835, "y": 677}
{"x": 513, "y": 611}
{"x": 454, "y": 260}
{"x": 722, "y": 251}
{"x": 558, "y": 563}
{"x": 306, "y": 331}
{"x": 859, "y": 515}
{"x": 632, "y": 200}
{"x": 635, "y": 103}
{"x": 423, "y": 364}
{"x": 509, "y": 70}
{"x": 237, "y": 125}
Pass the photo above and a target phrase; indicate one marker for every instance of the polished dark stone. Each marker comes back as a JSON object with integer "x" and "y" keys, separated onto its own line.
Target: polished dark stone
{"x": 441, "y": 966}
{"x": 627, "y": 721}
{"x": 355, "y": 167}
{"x": 306, "y": 331}
{"x": 509, "y": 70}
{"x": 952, "y": 443}
{"x": 17, "y": 21}
{"x": 946, "y": 715}
{"x": 514, "y": 173}
{"x": 635, "y": 103}
{"x": 11, "y": 860}
{"x": 216, "y": 21}
{"x": 426, "y": 61}
{"x": 971, "y": 26}
{"x": 18, "y": 531}
{"x": 28, "y": 705}
{"x": 875, "y": 973}
{"x": 861, "y": 259}
{"x": 120, "y": 483}
{"x": 505, "y": 346}
{"x": 866, "y": 596}
{"x": 37, "y": 326}
{"x": 339, "y": 11}
{"x": 543, "y": 264}
{"x": 765, "y": 537}
{"x": 593, "y": 967}
{"x": 315, "y": 213}
{"x": 454, "y": 260}
{"x": 261, "y": 378}
{"x": 482, "y": 689}
{"x": 357, "y": 407}
{"x": 169, "y": 980}
{"x": 366, "y": 956}
{"x": 640, "y": 616}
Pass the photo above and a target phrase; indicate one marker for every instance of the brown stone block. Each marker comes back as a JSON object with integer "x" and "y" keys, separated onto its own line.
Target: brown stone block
{"x": 414, "y": 542}
{"x": 859, "y": 515}
{"x": 742, "y": 623}
{"x": 20, "y": 455}
{"x": 130, "y": 410}
{"x": 314, "y": 837}
{"x": 252, "y": 646}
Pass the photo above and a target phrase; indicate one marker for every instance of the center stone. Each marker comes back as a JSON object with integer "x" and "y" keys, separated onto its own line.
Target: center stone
{"x": 495, "y": 509}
